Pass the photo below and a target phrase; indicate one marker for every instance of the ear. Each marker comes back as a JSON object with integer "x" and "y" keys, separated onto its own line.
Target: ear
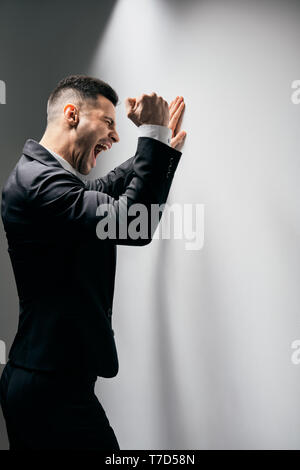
{"x": 71, "y": 114}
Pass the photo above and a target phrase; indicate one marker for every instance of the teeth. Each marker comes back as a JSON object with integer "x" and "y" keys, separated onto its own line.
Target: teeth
{"x": 101, "y": 147}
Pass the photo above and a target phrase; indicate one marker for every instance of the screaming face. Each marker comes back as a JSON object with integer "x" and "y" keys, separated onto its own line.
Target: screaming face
{"x": 94, "y": 133}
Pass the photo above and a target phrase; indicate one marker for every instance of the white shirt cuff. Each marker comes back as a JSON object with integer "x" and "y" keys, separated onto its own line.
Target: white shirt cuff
{"x": 162, "y": 133}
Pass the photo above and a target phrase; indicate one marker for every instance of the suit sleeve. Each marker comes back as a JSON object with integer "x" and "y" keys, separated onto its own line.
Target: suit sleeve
{"x": 66, "y": 208}
{"x": 116, "y": 181}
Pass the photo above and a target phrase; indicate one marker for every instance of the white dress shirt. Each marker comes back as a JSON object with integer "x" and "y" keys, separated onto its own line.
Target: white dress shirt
{"x": 161, "y": 133}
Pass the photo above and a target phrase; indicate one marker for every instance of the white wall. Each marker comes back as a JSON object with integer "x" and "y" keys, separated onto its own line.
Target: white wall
{"x": 204, "y": 337}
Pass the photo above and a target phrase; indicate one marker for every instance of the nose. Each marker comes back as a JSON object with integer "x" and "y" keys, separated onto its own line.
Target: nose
{"x": 114, "y": 136}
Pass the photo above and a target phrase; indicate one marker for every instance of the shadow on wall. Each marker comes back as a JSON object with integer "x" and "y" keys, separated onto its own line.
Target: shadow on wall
{"x": 41, "y": 42}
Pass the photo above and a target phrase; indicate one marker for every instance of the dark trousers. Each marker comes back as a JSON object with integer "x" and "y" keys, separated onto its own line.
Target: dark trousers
{"x": 51, "y": 410}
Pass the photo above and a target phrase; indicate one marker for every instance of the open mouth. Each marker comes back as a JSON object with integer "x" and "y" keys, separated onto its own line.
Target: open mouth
{"x": 99, "y": 148}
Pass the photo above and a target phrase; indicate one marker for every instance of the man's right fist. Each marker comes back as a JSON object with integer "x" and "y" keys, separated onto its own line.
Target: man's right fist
{"x": 148, "y": 109}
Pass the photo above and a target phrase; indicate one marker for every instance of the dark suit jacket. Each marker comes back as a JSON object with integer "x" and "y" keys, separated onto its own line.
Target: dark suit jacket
{"x": 64, "y": 273}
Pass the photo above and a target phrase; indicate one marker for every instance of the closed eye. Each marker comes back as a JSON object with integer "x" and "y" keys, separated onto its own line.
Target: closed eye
{"x": 109, "y": 120}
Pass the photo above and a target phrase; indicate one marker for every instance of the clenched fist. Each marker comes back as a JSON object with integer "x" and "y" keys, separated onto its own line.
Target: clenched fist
{"x": 148, "y": 109}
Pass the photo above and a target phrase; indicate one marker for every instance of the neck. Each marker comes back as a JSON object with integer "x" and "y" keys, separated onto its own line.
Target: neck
{"x": 59, "y": 143}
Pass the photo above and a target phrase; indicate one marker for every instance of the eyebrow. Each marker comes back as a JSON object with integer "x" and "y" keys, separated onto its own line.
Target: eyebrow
{"x": 111, "y": 120}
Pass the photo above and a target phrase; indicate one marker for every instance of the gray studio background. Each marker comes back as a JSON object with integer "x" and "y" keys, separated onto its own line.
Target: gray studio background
{"x": 204, "y": 336}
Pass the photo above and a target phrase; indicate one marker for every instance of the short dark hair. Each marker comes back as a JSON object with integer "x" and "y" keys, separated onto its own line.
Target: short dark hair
{"x": 86, "y": 87}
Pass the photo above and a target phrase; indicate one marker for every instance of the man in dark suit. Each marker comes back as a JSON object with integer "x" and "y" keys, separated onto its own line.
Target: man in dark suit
{"x": 64, "y": 265}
